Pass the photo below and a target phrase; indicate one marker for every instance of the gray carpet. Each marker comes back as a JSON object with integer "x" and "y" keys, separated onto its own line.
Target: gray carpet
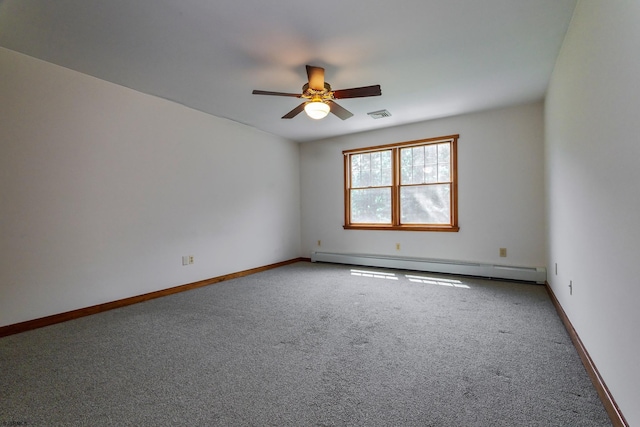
{"x": 307, "y": 345}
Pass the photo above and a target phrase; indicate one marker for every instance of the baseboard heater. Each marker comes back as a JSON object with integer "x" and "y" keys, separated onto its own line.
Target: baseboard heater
{"x": 491, "y": 271}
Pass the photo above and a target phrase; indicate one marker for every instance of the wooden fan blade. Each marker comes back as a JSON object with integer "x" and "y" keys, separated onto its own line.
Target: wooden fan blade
{"x": 357, "y": 92}
{"x": 291, "y": 114}
{"x": 339, "y": 111}
{"x": 266, "y": 92}
{"x": 316, "y": 77}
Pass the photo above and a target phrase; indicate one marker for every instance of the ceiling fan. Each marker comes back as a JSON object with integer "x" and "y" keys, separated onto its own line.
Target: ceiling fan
{"x": 319, "y": 97}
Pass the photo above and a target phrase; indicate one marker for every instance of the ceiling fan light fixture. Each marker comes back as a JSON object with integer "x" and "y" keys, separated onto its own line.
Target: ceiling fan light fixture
{"x": 317, "y": 109}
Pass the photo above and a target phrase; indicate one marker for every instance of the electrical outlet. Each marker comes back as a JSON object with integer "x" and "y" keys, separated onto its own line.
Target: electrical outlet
{"x": 503, "y": 252}
{"x": 319, "y": 242}
{"x": 397, "y": 246}
{"x": 556, "y": 268}
{"x": 190, "y": 259}
{"x": 570, "y": 287}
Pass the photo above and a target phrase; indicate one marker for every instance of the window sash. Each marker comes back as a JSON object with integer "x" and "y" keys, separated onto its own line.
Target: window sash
{"x": 427, "y": 205}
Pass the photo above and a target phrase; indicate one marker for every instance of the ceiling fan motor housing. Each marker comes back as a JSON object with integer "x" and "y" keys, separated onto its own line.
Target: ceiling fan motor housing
{"x": 325, "y": 94}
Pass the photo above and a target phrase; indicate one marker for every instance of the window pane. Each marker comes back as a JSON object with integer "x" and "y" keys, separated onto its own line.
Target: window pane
{"x": 444, "y": 172}
{"x": 376, "y": 169}
{"x": 365, "y": 170}
{"x": 385, "y": 161}
{"x": 355, "y": 171}
{"x": 431, "y": 156}
{"x": 425, "y": 204}
{"x": 406, "y": 165}
{"x": 371, "y": 205}
{"x": 418, "y": 156}
{"x": 430, "y": 174}
{"x": 444, "y": 153}
{"x": 418, "y": 174}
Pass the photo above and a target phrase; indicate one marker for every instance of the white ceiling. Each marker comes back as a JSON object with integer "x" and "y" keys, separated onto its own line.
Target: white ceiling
{"x": 433, "y": 58}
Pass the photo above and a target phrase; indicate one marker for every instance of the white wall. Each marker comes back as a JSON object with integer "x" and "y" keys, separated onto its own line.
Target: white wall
{"x": 593, "y": 189}
{"x": 103, "y": 190}
{"x": 501, "y": 191}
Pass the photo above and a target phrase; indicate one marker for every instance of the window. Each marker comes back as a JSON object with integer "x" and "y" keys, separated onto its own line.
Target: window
{"x": 405, "y": 186}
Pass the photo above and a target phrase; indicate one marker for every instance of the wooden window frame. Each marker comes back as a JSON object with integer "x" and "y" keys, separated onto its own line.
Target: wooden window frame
{"x": 395, "y": 187}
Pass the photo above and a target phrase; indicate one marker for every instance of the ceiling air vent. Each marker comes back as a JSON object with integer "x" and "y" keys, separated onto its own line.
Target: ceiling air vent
{"x": 379, "y": 114}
